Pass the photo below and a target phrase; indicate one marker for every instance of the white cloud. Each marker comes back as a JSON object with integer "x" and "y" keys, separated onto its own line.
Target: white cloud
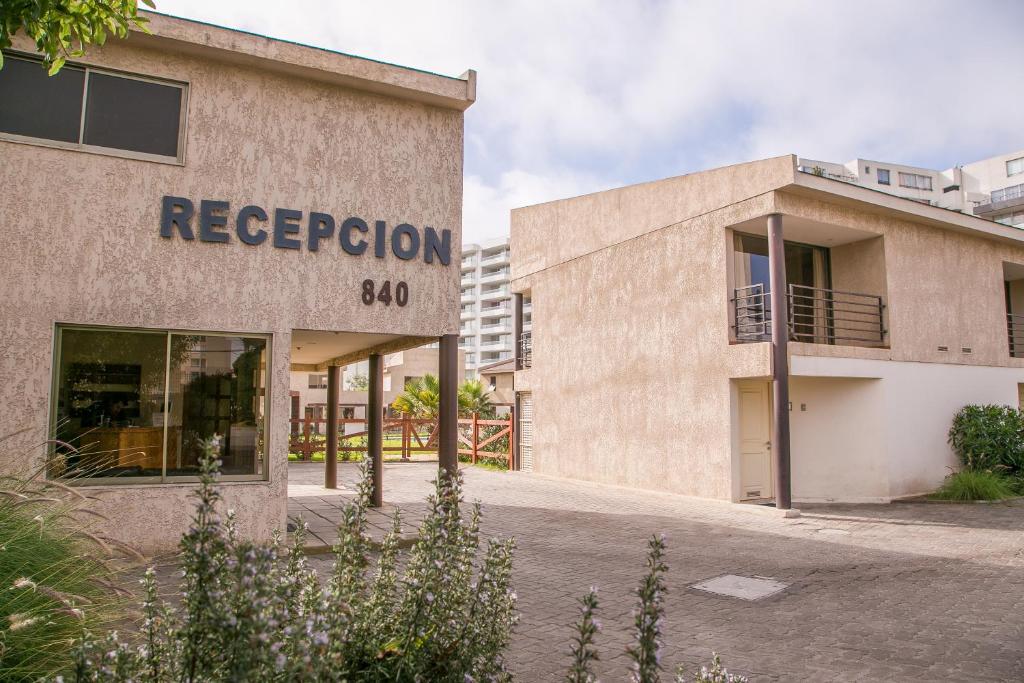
{"x": 580, "y": 95}
{"x": 486, "y": 205}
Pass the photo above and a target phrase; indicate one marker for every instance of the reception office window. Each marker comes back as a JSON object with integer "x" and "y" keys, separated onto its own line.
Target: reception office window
{"x": 142, "y": 406}
{"x": 94, "y": 110}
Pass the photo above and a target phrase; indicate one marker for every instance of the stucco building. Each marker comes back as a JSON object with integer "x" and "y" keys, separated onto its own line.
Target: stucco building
{"x": 650, "y": 363}
{"x": 192, "y": 215}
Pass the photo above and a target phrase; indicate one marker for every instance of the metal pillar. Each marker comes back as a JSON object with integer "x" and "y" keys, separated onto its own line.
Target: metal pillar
{"x": 517, "y": 330}
{"x": 331, "y": 456}
{"x": 448, "y": 411}
{"x": 375, "y": 428}
{"x": 780, "y": 363}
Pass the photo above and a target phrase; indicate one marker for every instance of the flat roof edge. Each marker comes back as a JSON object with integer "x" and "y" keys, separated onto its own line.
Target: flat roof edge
{"x": 305, "y": 61}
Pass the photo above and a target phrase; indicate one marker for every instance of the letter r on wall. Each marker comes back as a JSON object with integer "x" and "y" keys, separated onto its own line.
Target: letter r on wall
{"x": 177, "y": 212}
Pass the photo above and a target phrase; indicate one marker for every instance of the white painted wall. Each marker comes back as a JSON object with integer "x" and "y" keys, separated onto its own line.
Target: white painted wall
{"x": 896, "y": 413}
{"x": 837, "y": 448}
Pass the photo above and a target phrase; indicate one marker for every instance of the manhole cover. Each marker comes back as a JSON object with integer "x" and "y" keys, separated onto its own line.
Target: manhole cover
{"x": 743, "y": 587}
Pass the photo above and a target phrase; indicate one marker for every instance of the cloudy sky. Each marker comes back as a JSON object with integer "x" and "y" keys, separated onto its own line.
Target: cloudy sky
{"x": 576, "y": 96}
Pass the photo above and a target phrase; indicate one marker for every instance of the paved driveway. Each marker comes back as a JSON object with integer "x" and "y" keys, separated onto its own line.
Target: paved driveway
{"x": 877, "y": 593}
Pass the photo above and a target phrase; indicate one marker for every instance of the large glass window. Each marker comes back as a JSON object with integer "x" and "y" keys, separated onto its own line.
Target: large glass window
{"x": 1015, "y": 166}
{"x": 145, "y": 405}
{"x": 807, "y": 270}
{"x": 122, "y": 112}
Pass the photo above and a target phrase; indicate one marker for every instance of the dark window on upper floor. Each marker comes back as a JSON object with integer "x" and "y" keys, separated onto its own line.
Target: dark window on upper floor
{"x": 128, "y": 113}
{"x": 883, "y": 176}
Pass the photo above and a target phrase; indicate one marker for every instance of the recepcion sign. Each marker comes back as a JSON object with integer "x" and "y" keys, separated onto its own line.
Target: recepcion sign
{"x": 293, "y": 229}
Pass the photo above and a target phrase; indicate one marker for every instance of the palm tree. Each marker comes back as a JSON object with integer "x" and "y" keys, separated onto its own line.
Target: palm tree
{"x": 421, "y": 398}
{"x": 474, "y": 397}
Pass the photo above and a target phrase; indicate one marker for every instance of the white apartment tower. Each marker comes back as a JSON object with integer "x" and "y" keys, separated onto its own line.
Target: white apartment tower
{"x": 991, "y": 188}
{"x": 486, "y": 327}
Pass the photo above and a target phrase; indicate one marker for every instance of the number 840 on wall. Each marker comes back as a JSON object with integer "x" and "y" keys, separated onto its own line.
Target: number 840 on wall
{"x": 371, "y": 294}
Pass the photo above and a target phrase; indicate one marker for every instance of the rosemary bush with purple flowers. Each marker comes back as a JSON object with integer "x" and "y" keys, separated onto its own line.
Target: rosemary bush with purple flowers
{"x": 648, "y": 618}
{"x": 443, "y": 611}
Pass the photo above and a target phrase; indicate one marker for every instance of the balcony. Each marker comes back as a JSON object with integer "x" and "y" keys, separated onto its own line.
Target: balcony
{"x": 816, "y": 316}
{"x": 496, "y": 293}
{"x": 495, "y": 275}
{"x": 1001, "y": 200}
{"x": 525, "y": 351}
{"x": 494, "y": 259}
{"x": 1015, "y": 327}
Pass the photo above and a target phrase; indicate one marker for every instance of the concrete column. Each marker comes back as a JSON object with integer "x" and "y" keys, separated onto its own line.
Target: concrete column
{"x": 780, "y": 363}
{"x": 375, "y": 427}
{"x": 331, "y": 456}
{"x": 448, "y": 411}
{"x": 517, "y": 330}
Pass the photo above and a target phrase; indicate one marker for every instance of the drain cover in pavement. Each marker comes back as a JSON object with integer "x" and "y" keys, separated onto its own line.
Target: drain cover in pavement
{"x": 743, "y": 587}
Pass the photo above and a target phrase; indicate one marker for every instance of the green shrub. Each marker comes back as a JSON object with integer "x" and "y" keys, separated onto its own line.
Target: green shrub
{"x": 976, "y": 485}
{"x": 989, "y": 437}
{"x": 443, "y": 612}
{"x": 54, "y": 579}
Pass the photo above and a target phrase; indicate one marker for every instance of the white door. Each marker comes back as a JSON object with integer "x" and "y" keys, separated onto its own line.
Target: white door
{"x": 755, "y": 441}
{"x": 526, "y": 432}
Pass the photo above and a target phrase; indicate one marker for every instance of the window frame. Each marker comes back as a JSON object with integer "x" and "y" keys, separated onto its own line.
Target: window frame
{"x": 184, "y": 86}
{"x": 163, "y": 479}
{"x": 916, "y": 179}
{"x": 1019, "y": 161}
{"x": 888, "y": 176}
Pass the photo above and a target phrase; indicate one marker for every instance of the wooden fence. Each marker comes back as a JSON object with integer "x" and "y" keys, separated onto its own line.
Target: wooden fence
{"x": 417, "y": 435}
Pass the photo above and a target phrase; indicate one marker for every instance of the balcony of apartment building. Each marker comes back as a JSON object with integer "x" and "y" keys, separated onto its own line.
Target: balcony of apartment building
{"x": 1003, "y": 205}
{"x": 467, "y": 311}
{"x": 467, "y": 278}
{"x": 493, "y": 258}
{"x": 835, "y": 291}
{"x": 468, "y": 295}
{"x": 501, "y": 325}
{"x": 494, "y": 274}
{"x": 495, "y": 342}
{"x": 468, "y": 262}
{"x": 488, "y": 314}
{"x": 494, "y": 291}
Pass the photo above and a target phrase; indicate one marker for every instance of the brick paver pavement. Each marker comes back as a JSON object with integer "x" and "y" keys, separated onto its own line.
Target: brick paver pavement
{"x": 900, "y": 592}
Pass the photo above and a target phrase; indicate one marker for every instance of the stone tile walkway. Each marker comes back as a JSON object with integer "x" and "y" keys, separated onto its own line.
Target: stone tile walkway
{"x": 899, "y": 592}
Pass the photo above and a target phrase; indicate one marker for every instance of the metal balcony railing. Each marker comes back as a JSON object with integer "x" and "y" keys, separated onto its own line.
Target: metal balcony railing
{"x": 816, "y": 316}
{"x": 1013, "y": 192}
{"x": 526, "y": 350}
{"x": 1015, "y": 328}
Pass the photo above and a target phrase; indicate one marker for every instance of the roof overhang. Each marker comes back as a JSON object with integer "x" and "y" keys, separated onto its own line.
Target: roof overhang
{"x": 303, "y": 61}
{"x": 864, "y": 199}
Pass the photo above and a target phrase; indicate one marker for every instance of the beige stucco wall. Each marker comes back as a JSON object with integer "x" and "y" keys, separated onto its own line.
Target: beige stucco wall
{"x": 83, "y": 244}
{"x": 631, "y": 353}
{"x": 503, "y": 391}
{"x": 631, "y": 356}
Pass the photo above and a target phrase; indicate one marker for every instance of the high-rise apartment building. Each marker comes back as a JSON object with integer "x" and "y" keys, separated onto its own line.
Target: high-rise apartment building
{"x": 486, "y": 332}
{"x": 991, "y": 188}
